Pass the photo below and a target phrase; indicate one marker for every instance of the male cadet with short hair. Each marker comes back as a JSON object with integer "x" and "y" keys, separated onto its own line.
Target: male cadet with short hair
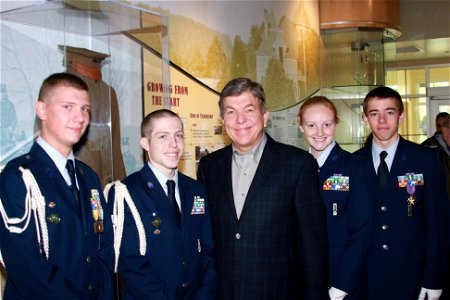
{"x": 55, "y": 241}
{"x": 408, "y": 248}
{"x": 164, "y": 245}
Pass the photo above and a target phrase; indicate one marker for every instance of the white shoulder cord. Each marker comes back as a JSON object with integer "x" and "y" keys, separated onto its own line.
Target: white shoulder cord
{"x": 118, "y": 217}
{"x": 33, "y": 201}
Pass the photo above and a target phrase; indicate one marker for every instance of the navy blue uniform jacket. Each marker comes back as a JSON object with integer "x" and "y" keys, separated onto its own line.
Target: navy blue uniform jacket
{"x": 179, "y": 261}
{"x": 349, "y": 214}
{"x": 80, "y": 263}
{"x": 277, "y": 249}
{"x": 407, "y": 252}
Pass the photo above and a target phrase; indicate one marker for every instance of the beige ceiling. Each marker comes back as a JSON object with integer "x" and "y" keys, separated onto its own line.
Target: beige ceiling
{"x": 431, "y": 51}
{"x": 425, "y": 37}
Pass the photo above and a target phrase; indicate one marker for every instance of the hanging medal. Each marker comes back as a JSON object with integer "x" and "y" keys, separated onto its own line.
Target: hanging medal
{"x": 410, "y": 181}
{"x": 97, "y": 211}
{"x": 411, "y": 188}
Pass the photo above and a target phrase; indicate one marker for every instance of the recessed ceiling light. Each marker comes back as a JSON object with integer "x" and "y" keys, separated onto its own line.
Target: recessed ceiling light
{"x": 408, "y": 49}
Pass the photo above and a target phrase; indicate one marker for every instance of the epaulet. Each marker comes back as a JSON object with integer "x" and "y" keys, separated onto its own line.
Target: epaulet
{"x": 23, "y": 160}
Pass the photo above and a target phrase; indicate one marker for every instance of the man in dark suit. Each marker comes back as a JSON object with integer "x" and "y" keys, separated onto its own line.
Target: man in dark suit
{"x": 54, "y": 240}
{"x": 408, "y": 248}
{"x": 164, "y": 253}
{"x": 269, "y": 223}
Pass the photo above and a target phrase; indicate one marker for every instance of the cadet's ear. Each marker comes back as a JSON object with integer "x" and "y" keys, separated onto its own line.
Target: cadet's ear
{"x": 401, "y": 117}
{"x": 40, "y": 110}
{"x": 144, "y": 142}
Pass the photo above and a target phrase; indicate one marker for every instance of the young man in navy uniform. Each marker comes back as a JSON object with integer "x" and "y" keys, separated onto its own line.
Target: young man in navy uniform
{"x": 166, "y": 248}
{"x": 408, "y": 247}
{"x": 54, "y": 240}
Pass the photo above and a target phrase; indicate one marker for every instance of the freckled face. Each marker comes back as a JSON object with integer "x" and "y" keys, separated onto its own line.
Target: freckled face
{"x": 319, "y": 126}
{"x": 244, "y": 121}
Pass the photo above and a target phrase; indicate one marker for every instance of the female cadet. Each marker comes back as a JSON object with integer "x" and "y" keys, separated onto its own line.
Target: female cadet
{"x": 344, "y": 191}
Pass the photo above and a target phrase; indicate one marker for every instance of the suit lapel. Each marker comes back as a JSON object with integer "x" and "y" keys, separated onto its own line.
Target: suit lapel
{"x": 225, "y": 181}
{"x": 262, "y": 174}
{"x": 186, "y": 198}
{"x": 399, "y": 164}
{"x": 331, "y": 163}
{"x": 58, "y": 183}
{"x": 85, "y": 196}
{"x": 155, "y": 191}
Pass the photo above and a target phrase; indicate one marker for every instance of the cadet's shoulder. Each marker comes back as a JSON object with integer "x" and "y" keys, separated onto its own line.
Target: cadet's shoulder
{"x": 24, "y": 160}
{"x": 189, "y": 180}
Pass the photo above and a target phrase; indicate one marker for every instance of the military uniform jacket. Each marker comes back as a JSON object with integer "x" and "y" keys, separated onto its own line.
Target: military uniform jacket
{"x": 277, "y": 249}
{"x": 407, "y": 251}
{"x": 179, "y": 260}
{"x": 344, "y": 189}
{"x": 80, "y": 262}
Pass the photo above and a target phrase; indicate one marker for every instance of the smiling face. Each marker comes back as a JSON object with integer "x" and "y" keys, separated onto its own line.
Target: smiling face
{"x": 244, "y": 121}
{"x": 64, "y": 115}
{"x": 165, "y": 144}
{"x": 383, "y": 116}
{"x": 318, "y": 125}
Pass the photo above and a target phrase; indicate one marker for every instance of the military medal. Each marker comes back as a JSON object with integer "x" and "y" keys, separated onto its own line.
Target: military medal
{"x": 337, "y": 182}
{"x": 97, "y": 211}
{"x": 411, "y": 202}
{"x": 53, "y": 218}
{"x": 410, "y": 181}
{"x": 156, "y": 222}
{"x": 98, "y": 226}
{"x": 198, "y": 207}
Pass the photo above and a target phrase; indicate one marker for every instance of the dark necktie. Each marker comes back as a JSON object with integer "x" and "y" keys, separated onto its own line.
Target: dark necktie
{"x": 172, "y": 200}
{"x": 73, "y": 181}
{"x": 383, "y": 171}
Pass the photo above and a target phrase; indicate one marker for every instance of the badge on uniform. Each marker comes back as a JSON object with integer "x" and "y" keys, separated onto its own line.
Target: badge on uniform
{"x": 97, "y": 211}
{"x": 198, "y": 208}
{"x": 410, "y": 181}
{"x": 156, "y": 222}
{"x": 337, "y": 182}
{"x": 53, "y": 218}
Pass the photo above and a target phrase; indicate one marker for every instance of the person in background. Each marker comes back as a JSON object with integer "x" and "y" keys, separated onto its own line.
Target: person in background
{"x": 409, "y": 244}
{"x": 434, "y": 140}
{"x": 164, "y": 242}
{"x": 441, "y": 142}
{"x": 55, "y": 241}
{"x": 344, "y": 190}
{"x": 269, "y": 223}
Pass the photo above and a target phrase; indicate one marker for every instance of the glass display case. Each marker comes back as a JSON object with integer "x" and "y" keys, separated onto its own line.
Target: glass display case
{"x": 95, "y": 40}
{"x": 354, "y": 64}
